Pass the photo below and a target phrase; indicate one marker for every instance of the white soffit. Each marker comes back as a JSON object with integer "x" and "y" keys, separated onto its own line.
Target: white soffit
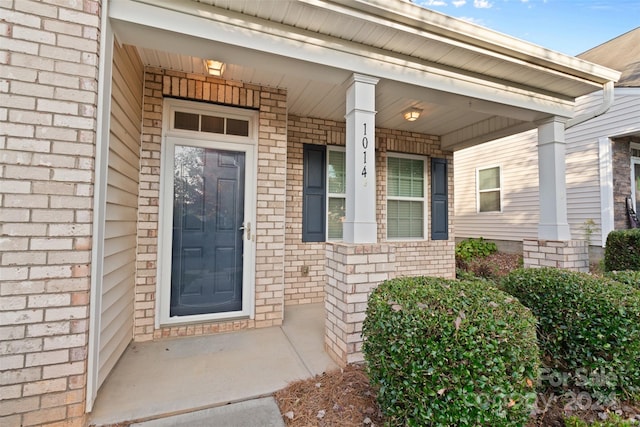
{"x": 310, "y": 47}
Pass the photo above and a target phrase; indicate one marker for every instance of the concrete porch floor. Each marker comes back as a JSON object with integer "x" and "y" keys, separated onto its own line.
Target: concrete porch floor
{"x": 172, "y": 376}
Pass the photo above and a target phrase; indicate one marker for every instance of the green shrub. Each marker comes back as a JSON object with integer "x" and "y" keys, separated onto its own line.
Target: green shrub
{"x": 623, "y": 250}
{"x": 613, "y": 421}
{"x": 588, "y": 327}
{"x": 629, "y": 277}
{"x": 474, "y": 248}
{"x": 447, "y": 352}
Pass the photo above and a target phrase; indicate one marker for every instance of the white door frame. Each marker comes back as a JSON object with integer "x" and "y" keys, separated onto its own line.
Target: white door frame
{"x": 247, "y": 145}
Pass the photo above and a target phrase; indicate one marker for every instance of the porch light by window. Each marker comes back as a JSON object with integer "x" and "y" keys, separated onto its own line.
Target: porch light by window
{"x": 214, "y": 68}
{"x": 412, "y": 114}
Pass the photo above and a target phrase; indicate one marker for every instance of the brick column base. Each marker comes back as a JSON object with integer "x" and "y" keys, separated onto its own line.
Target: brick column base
{"x": 570, "y": 255}
{"x": 353, "y": 271}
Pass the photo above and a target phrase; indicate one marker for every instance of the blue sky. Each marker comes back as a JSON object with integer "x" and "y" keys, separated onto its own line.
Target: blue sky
{"x": 567, "y": 26}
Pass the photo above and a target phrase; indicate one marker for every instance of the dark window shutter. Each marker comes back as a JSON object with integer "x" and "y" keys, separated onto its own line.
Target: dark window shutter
{"x": 313, "y": 193}
{"x": 439, "y": 200}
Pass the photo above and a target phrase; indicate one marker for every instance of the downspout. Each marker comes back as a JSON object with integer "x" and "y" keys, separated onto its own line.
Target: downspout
{"x": 607, "y": 101}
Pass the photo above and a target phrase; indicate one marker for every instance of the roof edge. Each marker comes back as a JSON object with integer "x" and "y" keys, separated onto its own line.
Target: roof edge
{"x": 416, "y": 16}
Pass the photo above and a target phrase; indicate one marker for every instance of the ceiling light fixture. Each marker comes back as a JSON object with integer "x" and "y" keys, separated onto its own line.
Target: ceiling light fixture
{"x": 412, "y": 114}
{"x": 214, "y": 68}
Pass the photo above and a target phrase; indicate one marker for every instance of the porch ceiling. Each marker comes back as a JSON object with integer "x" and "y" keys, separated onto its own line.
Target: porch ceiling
{"x": 472, "y": 84}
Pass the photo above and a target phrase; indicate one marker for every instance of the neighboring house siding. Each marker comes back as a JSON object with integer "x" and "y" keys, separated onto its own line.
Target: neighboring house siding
{"x": 583, "y": 167}
{"x": 118, "y": 281}
{"x": 518, "y": 157}
{"x": 49, "y": 55}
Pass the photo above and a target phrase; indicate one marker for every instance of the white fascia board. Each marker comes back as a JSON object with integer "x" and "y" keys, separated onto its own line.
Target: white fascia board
{"x": 490, "y": 41}
{"x": 185, "y": 17}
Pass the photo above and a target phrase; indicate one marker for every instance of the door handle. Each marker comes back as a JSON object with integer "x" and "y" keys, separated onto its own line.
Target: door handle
{"x": 246, "y": 229}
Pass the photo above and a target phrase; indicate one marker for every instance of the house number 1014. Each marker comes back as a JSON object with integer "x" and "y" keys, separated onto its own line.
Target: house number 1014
{"x": 365, "y": 144}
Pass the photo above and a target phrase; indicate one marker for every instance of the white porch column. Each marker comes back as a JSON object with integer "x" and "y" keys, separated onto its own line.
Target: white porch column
{"x": 360, "y": 223}
{"x": 553, "y": 188}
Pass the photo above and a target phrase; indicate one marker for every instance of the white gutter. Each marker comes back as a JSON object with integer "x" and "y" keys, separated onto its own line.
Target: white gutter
{"x": 607, "y": 102}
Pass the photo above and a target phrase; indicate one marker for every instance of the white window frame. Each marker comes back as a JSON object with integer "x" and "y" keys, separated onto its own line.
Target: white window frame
{"x": 424, "y": 199}
{"x": 634, "y": 161}
{"x": 342, "y": 149}
{"x": 499, "y": 189}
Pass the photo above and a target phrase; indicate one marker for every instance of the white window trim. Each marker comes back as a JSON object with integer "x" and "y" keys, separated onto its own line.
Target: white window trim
{"x": 478, "y": 191}
{"x": 208, "y": 109}
{"x": 342, "y": 149}
{"x": 606, "y": 188}
{"x": 425, "y": 192}
{"x": 203, "y": 139}
{"x": 634, "y": 161}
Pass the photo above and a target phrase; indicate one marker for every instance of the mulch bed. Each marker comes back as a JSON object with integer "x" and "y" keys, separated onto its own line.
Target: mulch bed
{"x": 342, "y": 397}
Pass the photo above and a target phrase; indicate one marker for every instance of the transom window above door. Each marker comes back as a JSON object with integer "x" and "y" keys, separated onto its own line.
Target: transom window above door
{"x": 197, "y": 122}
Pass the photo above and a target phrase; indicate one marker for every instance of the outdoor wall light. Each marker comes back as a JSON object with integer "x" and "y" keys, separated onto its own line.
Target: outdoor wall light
{"x": 412, "y": 114}
{"x": 214, "y": 68}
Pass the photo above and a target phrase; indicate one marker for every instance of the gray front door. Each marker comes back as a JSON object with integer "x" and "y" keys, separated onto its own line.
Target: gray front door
{"x": 207, "y": 243}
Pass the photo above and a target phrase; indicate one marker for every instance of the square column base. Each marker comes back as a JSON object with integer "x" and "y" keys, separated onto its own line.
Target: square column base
{"x": 353, "y": 272}
{"x": 568, "y": 254}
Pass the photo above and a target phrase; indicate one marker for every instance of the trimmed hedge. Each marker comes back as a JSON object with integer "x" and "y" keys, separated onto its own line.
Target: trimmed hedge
{"x": 447, "y": 352}
{"x": 623, "y": 250}
{"x": 588, "y": 328}
{"x": 628, "y": 277}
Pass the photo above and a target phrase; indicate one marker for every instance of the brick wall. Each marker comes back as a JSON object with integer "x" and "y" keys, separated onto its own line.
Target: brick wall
{"x": 269, "y": 229}
{"x": 353, "y": 272}
{"x": 570, "y": 255}
{"x": 302, "y": 287}
{"x": 621, "y": 149}
{"x": 48, "y": 94}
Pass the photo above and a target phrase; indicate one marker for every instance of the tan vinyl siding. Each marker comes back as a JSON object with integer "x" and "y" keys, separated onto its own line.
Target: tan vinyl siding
{"x": 518, "y": 157}
{"x": 583, "y": 170}
{"x": 116, "y": 325}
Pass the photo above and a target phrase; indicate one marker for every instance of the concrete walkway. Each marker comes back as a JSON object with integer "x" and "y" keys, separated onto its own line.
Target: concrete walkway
{"x": 178, "y": 376}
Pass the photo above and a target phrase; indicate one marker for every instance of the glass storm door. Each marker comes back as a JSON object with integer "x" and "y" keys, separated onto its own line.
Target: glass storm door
{"x": 207, "y": 237}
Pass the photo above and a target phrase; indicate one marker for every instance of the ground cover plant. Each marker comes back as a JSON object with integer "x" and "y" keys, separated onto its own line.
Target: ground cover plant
{"x": 480, "y": 258}
{"x": 628, "y": 277}
{"x": 447, "y": 352}
{"x": 474, "y": 248}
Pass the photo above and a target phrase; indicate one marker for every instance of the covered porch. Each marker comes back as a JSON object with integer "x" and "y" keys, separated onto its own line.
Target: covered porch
{"x": 425, "y": 86}
{"x": 179, "y": 375}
